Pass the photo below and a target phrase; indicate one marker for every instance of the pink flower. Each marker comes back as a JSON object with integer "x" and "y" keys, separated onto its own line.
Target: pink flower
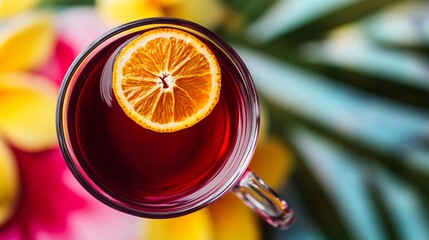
{"x": 39, "y": 198}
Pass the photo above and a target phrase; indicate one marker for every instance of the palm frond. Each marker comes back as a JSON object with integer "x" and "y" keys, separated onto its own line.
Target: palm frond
{"x": 392, "y": 161}
{"x": 400, "y": 91}
{"x": 382, "y": 211}
{"x": 318, "y": 27}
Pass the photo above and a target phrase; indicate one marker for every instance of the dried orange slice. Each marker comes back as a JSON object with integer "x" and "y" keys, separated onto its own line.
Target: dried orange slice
{"x": 166, "y": 80}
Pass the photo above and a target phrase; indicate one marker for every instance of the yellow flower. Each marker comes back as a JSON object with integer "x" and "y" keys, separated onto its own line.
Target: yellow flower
{"x": 27, "y": 100}
{"x": 232, "y": 219}
{"x": 11, "y": 7}
{"x": 272, "y": 162}
{"x": 209, "y": 13}
{"x": 197, "y": 225}
{"x": 26, "y": 41}
{"x": 122, "y": 11}
{"x": 27, "y": 113}
{"x": 8, "y": 183}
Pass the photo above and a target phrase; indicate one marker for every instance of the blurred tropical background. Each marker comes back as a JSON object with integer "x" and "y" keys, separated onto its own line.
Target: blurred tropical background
{"x": 344, "y": 87}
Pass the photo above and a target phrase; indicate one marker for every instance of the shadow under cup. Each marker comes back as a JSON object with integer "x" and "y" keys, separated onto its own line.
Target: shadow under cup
{"x": 121, "y": 164}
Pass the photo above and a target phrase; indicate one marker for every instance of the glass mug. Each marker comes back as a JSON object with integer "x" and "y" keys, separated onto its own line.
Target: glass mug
{"x": 162, "y": 175}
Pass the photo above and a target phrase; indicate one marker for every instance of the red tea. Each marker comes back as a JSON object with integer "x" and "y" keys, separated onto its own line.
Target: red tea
{"x": 134, "y": 164}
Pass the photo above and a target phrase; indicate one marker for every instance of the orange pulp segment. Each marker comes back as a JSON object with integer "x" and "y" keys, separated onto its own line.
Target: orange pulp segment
{"x": 166, "y": 80}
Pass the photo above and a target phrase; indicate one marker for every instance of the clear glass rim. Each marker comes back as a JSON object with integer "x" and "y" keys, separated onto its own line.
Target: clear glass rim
{"x": 217, "y": 187}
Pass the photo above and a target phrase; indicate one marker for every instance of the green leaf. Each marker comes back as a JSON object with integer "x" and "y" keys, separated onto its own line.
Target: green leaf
{"x": 379, "y": 85}
{"x": 390, "y": 160}
{"x": 251, "y": 10}
{"x": 418, "y": 50}
{"x": 316, "y": 200}
{"x": 318, "y": 27}
{"x": 65, "y": 3}
{"x": 246, "y": 12}
{"x": 381, "y": 209}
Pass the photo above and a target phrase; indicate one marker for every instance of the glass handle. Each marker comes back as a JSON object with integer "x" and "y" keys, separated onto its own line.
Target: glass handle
{"x": 263, "y": 200}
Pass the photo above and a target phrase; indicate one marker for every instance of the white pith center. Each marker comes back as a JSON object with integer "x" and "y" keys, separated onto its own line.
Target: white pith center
{"x": 166, "y": 81}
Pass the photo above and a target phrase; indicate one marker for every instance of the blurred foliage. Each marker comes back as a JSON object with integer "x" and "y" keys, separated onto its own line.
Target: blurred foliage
{"x": 290, "y": 46}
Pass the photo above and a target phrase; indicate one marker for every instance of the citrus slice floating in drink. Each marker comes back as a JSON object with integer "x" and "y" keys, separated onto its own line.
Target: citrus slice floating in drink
{"x": 166, "y": 80}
